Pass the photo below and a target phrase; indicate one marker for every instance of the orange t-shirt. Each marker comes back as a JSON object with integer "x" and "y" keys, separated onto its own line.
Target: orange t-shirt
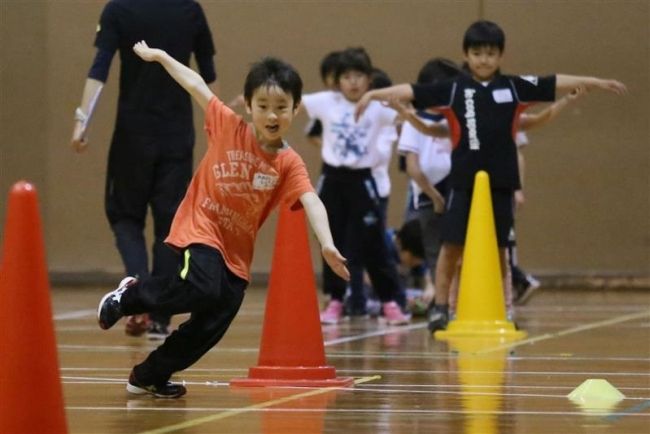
{"x": 234, "y": 189}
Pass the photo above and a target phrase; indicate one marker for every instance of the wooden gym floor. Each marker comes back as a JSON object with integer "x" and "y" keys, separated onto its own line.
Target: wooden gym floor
{"x": 406, "y": 382}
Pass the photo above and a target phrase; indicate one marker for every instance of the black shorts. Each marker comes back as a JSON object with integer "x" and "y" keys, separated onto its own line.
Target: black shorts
{"x": 454, "y": 221}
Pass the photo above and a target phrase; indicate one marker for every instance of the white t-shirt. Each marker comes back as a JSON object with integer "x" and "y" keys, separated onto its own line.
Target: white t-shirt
{"x": 434, "y": 154}
{"x": 387, "y": 138}
{"x": 347, "y": 143}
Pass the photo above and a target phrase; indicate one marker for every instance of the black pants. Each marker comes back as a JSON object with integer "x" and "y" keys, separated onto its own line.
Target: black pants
{"x": 204, "y": 287}
{"x": 354, "y": 212}
{"x": 146, "y": 171}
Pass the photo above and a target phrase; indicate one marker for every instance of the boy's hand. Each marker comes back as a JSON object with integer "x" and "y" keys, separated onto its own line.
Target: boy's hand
{"x": 400, "y": 107}
{"x": 362, "y": 104}
{"x": 336, "y": 262}
{"x": 576, "y": 93}
{"x": 439, "y": 205}
{"x": 147, "y": 54}
{"x": 79, "y": 141}
{"x": 613, "y": 86}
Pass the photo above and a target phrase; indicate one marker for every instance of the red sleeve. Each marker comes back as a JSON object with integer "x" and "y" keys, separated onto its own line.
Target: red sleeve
{"x": 219, "y": 119}
{"x": 296, "y": 183}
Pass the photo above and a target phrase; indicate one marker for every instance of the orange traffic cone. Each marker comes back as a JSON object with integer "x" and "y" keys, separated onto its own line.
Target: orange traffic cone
{"x": 32, "y": 400}
{"x": 292, "y": 351}
{"x": 481, "y": 307}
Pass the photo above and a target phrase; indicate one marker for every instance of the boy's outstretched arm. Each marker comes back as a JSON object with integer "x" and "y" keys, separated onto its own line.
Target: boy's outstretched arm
{"x": 529, "y": 121}
{"x": 415, "y": 172}
{"x": 566, "y": 83}
{"x": 399, "y": 92}
{"x": 409, "y": 115}
{"x": 317, "y": 216}
{"x": 190, "y": 80}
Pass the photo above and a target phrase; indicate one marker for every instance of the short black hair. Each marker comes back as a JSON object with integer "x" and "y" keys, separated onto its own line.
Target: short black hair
{"x": 437, "y": 69}
{"x": 273, "y": 72}
{"x": 328, "y": 64}
{"x": 410, "y": 238}
{"x": 353, "y": 59}
{"x": 484, "y": 33}
{"x": 379, "y": 79}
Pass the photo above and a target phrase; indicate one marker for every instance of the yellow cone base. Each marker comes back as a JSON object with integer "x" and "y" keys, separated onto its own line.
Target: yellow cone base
{"x": 469, "y": 328}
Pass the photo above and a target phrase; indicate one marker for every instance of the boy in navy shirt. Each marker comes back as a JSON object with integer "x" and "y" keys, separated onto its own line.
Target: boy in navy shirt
{"x": 482, "y": 108}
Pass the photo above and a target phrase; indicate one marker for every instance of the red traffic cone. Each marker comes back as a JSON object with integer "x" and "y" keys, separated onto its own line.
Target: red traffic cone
{"x": 29, "y": 370}
{"x": 292, "y": 351}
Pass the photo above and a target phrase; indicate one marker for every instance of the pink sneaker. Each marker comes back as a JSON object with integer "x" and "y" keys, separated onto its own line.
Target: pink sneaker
{"x": 393, "y": 314}
{"x": 332, "y": 313}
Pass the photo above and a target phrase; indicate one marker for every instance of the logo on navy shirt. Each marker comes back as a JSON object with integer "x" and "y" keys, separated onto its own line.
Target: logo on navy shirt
{"x": 532, "y": 79}
{"x": 470, "y": 120}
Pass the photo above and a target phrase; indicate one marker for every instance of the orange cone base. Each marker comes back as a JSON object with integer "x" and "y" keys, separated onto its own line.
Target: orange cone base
{"x": 292, "y": 376}
{"x": 467, "y": 328}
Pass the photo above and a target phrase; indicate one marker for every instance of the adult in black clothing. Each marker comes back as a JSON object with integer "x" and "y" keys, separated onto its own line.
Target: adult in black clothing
{"x": 150, "y": 158}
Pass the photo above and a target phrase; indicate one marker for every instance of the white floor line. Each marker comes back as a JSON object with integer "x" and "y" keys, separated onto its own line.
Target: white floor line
{"x": 76, "y": 314}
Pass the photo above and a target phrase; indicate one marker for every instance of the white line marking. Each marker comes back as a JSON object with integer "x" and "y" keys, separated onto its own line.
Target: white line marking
{"x": 74, "y": 314}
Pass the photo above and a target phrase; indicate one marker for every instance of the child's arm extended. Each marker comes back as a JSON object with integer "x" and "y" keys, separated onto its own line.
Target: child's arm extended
{"x": 414, "y": 171}
{"x": 317, "y": 216}
{"x": 566, "y": 83}
{"x": 529, "y": 121}
{"x": 190, "y": 80}
{"x": 410, "y": 115}
{"x": 400, "y": 92}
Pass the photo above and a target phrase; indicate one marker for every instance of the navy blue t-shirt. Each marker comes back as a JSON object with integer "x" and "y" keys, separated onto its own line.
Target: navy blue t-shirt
{"x": 150, "y": 100}
{"x": 482, "y": 120}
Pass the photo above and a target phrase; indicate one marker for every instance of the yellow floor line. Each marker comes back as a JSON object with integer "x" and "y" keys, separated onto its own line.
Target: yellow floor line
{"x": 581, "y": 328}
{"x": 234, "y": 412}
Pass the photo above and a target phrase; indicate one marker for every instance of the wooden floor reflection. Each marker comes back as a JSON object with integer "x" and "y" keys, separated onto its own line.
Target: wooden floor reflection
{"x": 407, "y": 382}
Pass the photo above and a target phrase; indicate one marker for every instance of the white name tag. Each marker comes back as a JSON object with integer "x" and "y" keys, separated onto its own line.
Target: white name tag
{"x": 264, "y": 182}
{"x": 502, "y": 95}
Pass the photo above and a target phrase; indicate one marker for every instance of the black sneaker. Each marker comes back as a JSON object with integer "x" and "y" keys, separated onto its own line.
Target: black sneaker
{"x": 157, "y": 331}
{"x": 109, "y": 310}
{"x": 524, "y": 289}
{"x": 437, "y": 317}
{"x": 167, "y": 390}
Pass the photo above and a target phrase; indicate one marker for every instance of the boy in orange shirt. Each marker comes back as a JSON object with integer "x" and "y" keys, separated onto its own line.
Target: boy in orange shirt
{"x": 246, "y": 172}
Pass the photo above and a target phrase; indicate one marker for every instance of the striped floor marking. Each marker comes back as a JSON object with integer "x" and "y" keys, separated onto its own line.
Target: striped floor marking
{"x": 235, "y": 412}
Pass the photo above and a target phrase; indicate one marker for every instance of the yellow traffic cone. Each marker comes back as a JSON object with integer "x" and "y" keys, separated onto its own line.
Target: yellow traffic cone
{"x": 481, "y": 307}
